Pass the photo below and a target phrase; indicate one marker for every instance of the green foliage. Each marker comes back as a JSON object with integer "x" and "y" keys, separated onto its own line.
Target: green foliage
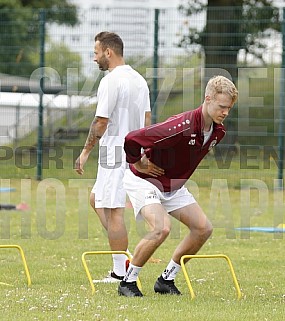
{"x": 10, "y": 4}
{"x": 19, "y": 28}
{"x": 59, "y": 11}
{"x": 259, "y": 18}
{"x": 59, "y": 57}
{"x": 249, "y": 24}
{"x": 17, "y": 37}
{"x": 189, "y": 7}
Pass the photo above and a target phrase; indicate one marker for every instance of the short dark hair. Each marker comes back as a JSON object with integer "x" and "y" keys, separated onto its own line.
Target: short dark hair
{"x": 111, "y": 40}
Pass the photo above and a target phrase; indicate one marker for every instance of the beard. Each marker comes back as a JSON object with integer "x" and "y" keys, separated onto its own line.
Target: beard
{"x": 103, "y": 63}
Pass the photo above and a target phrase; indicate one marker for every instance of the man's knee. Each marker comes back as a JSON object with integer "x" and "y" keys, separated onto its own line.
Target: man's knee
{"x": 205, "y": 231}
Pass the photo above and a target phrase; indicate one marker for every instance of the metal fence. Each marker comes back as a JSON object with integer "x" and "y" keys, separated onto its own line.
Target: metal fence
{"x": 174, "y": 52}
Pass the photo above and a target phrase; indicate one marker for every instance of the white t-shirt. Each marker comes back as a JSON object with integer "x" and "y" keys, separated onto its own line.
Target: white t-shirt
{"x": 207, "y": 135}
{"x": 123, "y": 98}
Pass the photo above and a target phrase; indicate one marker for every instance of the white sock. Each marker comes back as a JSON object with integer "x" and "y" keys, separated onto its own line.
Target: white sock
{"x": 132, "y": 273}
{"x": 170, "y": 272}
{"x": 119, "y": 263}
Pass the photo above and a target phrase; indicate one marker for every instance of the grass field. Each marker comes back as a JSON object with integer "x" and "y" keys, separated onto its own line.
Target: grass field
{"x": 60, "y": 226}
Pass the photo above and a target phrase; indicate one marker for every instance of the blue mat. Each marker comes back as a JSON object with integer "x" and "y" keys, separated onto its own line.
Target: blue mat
{"x": 7, "y": 189}
{"x": 262, "y": 229}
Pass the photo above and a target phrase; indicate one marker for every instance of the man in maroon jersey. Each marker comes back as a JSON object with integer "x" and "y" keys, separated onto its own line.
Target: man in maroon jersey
{"x": 155, "y": 181}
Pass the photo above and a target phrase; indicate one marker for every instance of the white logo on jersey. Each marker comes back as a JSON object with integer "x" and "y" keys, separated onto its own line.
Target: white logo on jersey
{"x": 192, "y": 142}
{"x": 213, "y": 143}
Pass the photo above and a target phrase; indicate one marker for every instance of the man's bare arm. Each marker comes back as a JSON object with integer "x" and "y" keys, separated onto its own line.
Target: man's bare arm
{"x": 147, "y": 121}
{"x": 96, "y": 131}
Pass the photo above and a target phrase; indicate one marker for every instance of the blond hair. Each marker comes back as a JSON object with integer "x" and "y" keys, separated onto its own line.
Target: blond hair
{"x": 221, "y": 85}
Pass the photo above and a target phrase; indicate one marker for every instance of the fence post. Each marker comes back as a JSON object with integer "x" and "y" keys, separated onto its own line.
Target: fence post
{"x": 282, "y": 107}
{"x": 154, "y": 92}
{"x": 42, "y": 22}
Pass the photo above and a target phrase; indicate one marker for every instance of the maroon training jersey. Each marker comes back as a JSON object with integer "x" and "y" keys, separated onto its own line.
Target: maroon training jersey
{"x": 175, "y": 145}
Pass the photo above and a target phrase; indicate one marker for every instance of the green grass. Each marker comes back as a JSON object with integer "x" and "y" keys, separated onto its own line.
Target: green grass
{"x": 55, "y": 233}
{"x": 61, "y": 225}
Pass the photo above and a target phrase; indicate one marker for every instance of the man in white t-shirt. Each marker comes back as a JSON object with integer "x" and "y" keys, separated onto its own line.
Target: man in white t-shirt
{"x": 123, "y": 106}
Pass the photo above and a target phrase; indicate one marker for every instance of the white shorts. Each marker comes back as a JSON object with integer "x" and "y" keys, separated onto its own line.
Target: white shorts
{"x": 141, "y": 193}
{"x": 108, "y": 188}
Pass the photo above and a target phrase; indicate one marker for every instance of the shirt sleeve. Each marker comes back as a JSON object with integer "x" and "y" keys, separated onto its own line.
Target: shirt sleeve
{"x": 158, "y": 136}
{"x": 107, "y": 97}
{"x": 147, "y": 100}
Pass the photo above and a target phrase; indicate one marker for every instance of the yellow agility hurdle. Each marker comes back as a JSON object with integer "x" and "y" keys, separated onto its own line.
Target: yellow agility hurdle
{"x": 83, "y": 258}
{"x": 217, "y": 256}
{"x": 29, "y": 282}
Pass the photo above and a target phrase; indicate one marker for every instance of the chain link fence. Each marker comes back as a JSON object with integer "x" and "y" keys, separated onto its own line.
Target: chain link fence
{"x": 173, "y": 51}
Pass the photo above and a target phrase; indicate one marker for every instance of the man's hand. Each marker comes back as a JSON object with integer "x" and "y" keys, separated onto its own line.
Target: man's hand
{"x": 96, "y": 131}
{"x": 80, "y": 162}
{"x": 144, "y": 165}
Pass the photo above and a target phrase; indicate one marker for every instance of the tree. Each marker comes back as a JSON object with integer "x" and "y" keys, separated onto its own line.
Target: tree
{"x": 231, "y": 25}
{"x": 19, "y": 28}
{"x": 59, "y": 11}
{"x": 60, "y": 58}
